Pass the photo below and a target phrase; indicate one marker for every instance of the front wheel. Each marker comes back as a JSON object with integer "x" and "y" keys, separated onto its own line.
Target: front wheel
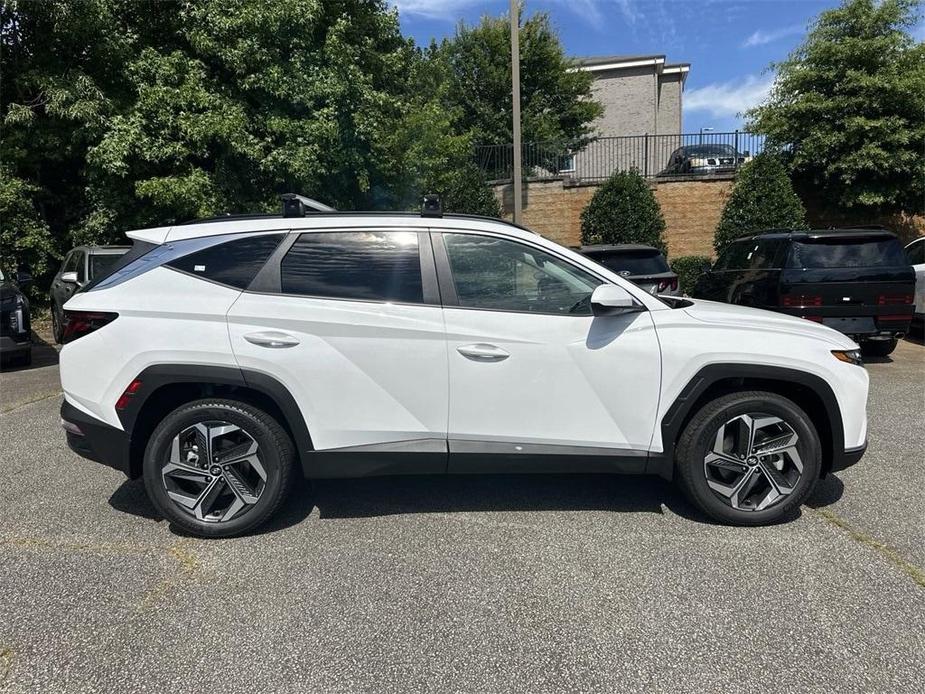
{"x": 878, "y": 348}
{"x": 218, "y": 468}
{"x": 749, "y": 458}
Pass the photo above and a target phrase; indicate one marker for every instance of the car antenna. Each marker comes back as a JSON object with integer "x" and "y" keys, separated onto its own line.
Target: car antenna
{"x": 295, "y": 205}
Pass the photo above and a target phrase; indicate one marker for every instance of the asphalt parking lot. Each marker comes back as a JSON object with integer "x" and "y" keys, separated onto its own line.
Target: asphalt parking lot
{"x": 488, "y": 584}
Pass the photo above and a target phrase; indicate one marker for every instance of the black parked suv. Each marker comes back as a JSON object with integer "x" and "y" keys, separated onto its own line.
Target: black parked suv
{"x": 857, "y": 281}
{"x": 15, "y": 328}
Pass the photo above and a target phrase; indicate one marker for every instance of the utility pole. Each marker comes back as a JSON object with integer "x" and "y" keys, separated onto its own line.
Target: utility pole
{"x": 515, "y": 81}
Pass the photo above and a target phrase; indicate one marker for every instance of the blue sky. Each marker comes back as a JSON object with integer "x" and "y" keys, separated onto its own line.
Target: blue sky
{"x": 729, "y": 43}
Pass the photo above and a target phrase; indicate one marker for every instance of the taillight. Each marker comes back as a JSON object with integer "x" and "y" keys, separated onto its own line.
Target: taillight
{"x": 80, "y": 323}
{"x": 128, "y": 394}
{"x": 665, "y": 285}
{"x": 894, "y": 299}
{"x": 800, "y": 300}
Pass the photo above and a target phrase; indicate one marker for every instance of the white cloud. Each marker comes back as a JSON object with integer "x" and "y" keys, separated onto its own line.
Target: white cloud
{"x": 761, "y": 37}
{"x": 723, "y": 99}
{"x": 435, "y": 9}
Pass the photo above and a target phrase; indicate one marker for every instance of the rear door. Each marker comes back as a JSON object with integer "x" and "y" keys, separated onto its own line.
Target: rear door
{"x": 350, "y": 321}
{"x": 531, "y": 370}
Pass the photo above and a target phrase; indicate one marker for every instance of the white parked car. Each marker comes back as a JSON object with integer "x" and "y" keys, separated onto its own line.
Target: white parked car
{"x": 915, "y": 252}
{"x": 221, "y": 357}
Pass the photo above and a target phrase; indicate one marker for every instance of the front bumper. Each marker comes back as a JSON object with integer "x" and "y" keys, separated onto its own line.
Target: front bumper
{"x": 97, "y": 441}
{"x": 847, "y": 458}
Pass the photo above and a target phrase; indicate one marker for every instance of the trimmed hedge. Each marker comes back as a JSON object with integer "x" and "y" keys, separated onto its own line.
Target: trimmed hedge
{"x": 623, "y": 210}
{"x": 762, "y": 198}
{"x": 689, "y": 268}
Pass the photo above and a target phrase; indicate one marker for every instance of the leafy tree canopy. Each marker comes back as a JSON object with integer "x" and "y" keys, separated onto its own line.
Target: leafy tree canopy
{"x": 474, "y": 78}
{"x": 851, "y": 102}
{"x": 623, "y": 210}
{"x": 762, "y": 198}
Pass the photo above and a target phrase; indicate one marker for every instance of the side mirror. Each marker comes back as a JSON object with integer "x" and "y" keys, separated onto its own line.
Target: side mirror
{"x": 23, "y": 279}
{"x": 69, "y": 277}
{"x": 611, "y": 300}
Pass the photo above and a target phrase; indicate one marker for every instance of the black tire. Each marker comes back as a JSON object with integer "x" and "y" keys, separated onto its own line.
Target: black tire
{"x": 697, "y": 440}
{"x": 276, "y": 454}
{"x": 56, "y": 328}
{"x": 878, "y": 348}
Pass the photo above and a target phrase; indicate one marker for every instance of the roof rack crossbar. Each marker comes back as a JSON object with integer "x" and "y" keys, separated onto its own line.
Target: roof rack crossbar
{"x": 295, "y": 205}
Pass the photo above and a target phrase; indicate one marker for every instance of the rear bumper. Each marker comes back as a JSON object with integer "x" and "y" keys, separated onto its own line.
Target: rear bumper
{"x": 10, "y": 346}
{"x": 97, "y": 441}
{"x": 848, "y": 457}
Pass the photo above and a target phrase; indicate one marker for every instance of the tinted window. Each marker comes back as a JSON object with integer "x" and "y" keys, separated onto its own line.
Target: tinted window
{"x": 841, "y": 252}
{"x": 360, "y": 265}
{"x": 764, "y": 254}
{"x": 70, "y": 263}
{"x": 100, "y": 265}
{"x": 636, "y": 263}
{"x": 234, "y": 263}
{"x": 509, "y": 276}
{"x": 738, "y": 256}
{"x": 916, "y": 253}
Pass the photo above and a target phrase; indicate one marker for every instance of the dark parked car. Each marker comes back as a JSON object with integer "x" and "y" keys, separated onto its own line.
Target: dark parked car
{"x": 81, "y": 265}
{"x": 709, "y": 158}
{"x": 15, "y": 327}
{"x": 856, "y": 281}
{"x": 642, "y": 265}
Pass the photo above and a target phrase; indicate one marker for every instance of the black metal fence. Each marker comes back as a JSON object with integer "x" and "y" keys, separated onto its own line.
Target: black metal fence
{"x": 685, "y": 154}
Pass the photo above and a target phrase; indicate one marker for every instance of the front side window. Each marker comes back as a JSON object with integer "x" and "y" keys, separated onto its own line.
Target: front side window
{"x": 492, "y": 273}
{"x": 234, "y": 262}
{"x": 358, "y": 265}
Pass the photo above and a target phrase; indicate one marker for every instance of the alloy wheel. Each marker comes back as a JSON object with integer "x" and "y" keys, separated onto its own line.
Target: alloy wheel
{"x": 214, "y": 472}
{"x": 754, "y": 462}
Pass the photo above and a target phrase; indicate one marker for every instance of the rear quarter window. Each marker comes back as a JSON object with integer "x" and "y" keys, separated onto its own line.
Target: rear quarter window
{"x": 841, "y": 252}
{"x": 234, "y": 262}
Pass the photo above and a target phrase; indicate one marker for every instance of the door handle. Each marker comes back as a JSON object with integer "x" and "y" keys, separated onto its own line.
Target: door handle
{"x": 271, "y": 338}
{"x": 483, "y": 352}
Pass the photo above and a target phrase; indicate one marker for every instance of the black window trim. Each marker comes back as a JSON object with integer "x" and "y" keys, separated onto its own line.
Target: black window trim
{"x": 448, "y": 286}
{"x": 268, "y": 280}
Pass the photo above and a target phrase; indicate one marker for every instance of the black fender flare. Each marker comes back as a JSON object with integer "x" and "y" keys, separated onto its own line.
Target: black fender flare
{"x": 155, "y": 377}
{"x": 678, "y": 413}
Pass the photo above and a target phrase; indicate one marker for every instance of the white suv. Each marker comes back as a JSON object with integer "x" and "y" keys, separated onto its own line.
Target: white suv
{"x": 220, "y": 356}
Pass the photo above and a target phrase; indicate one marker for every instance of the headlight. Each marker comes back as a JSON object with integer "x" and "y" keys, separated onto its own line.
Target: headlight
{"x": 698, "y": 162}
{"x": 849, "y": 356}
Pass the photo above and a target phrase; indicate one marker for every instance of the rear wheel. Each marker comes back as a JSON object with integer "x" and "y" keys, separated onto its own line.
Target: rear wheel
{"x": 218, "y": 468}
{"x": 878, "y": 348}
{"x": 749, "y": 458}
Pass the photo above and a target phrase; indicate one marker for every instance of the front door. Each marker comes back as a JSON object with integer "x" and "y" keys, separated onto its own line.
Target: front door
{"x": 531, "y": 370}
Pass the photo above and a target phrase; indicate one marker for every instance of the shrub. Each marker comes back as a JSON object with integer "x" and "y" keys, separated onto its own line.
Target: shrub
{"x": 623, "y": 210}
{"x": 762, "y": 198}
{"x": 469, "y": 193}
{"x": 689, "y": 268}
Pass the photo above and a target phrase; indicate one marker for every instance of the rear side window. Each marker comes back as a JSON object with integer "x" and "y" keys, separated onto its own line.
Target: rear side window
{"x": 234, "y": 262}
{"x": 842, "y": 252}
{"x": 915, "y": 253}
{"x": 102, "y": 264}
{"x": 358, "y": 265}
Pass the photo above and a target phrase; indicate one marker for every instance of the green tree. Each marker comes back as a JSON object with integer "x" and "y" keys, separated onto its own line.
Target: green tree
{"x": 762, "y": 198}
{"x": 24, "y": 237}
{"x": 473, "y": 74}
{"x": 623, "y": 210}
{"x": 851, "y": 102}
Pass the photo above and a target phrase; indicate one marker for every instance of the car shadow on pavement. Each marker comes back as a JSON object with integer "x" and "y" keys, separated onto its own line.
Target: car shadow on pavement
{"x": 439, "y": 494}
{"x": 43, "y": 354}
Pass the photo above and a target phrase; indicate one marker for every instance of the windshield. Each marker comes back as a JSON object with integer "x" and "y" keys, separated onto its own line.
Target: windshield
{"x": 640, "y": 263}
{"x": 710, "y": 151}
{"x": 842, "y": 252}
{"x": 101, "y": 264}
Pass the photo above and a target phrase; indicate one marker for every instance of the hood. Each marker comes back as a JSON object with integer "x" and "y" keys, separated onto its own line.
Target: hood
{"x": 747, "y": 318}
